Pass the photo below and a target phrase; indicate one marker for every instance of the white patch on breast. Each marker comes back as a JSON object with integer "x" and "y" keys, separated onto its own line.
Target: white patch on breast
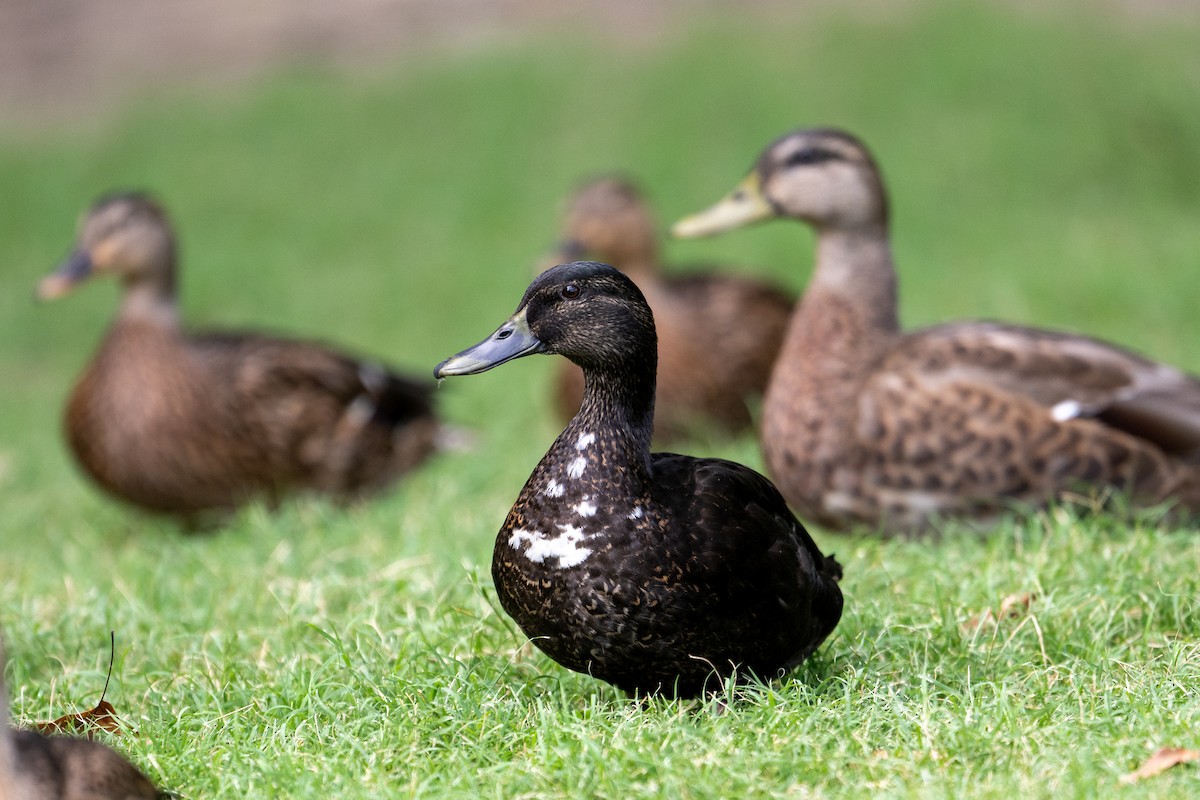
{"x": 554, "y": 489}
{"x": 585, "y": 507}
{"x": 565, "y": 547}
{"x": 1067, "y": 409}
{"x": 584, "y": 440}
{"x": 636, "y": 513}
{"x": 576, "y": 467}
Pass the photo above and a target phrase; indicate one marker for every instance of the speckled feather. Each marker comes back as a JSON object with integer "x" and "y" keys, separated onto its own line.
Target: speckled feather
{"x": 866, "y": 424}
{"x": 185, "y": 423}
{"x": 718, "y": 333}
{"x": 655, "y": 572}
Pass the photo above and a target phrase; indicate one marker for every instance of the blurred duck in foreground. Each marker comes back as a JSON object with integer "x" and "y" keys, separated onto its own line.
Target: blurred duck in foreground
{"x": 186, "y": 424}
{"x": 864, "y": 423}
{"x": 718, "y": 334}
{"x": 656, "y": 572}
{"x": 37, "y": 767}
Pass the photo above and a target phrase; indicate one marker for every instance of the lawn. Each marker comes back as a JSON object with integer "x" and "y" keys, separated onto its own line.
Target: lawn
{"x": 1044, "y": 168}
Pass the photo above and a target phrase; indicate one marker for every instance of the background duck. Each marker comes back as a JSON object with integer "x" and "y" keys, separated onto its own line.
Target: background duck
{"x": 189, "y": 423}
{"x": 864, "y": 423}
{"x": 37, "y": 767}
{"x": 718, "y": 334}
{"x": 649, "y": 571}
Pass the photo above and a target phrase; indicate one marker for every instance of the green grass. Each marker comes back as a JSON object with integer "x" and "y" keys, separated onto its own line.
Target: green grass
{"x": 1044, "y": 168}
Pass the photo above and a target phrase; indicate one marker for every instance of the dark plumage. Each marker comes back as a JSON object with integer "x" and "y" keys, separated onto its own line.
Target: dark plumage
{"x": 649, "y": 571}
{"x": 718, "y": 334}
{"x": 866, "y": 423}
{"x": 37, "y": 767}
{"x": 184, "y": 424}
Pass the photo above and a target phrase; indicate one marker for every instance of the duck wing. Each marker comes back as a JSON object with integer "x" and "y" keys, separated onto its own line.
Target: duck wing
{"x": 338, "y": 423}
{"x": 265, "y": 367}
{"x": 739, "y": 320}
{"x": 762, "y": 569}
{"x": 1073, "y": 376}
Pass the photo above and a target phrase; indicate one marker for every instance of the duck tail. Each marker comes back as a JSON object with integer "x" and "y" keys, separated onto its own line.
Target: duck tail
{"x": 389, "y": 399}
{"x": 832, "y": 567}
{"x": 401, "y": 400}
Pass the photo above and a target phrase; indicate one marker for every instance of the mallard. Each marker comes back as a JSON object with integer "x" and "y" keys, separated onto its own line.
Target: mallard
{"x": 186, "y": 424}
{"x": 718, "y": 333}
{"x": 37, "y": 767}
{"x": 864, "y": 423}
{"x": 656, "y": 572}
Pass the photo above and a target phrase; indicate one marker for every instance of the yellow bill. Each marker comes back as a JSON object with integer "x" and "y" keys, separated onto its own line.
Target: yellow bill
{"x": 742, "y": 206}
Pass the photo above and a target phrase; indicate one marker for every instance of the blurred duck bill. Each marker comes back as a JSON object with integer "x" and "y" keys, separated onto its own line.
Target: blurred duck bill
{"x": 72, "y": 272}
{"x": 742, "y": 206}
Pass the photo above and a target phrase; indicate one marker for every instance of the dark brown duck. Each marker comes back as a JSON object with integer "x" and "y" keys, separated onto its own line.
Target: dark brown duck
{"x": 864, "y": 423}
{"x": 718, "y": 333}
{"x": 184, "y": 423}
{"x": 656, "y": 572}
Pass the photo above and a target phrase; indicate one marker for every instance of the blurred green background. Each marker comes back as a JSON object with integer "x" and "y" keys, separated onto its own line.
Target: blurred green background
{"x": 1043, "y": 163}
{"x": 1044, "y": 167}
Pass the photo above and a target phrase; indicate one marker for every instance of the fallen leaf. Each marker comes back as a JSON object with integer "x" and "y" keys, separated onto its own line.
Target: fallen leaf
{"x": 1161, "y": 761}
{"x": 1015, "y": 605}
{"x": 1011, "y": 607}
{"x": 103, "y": 716}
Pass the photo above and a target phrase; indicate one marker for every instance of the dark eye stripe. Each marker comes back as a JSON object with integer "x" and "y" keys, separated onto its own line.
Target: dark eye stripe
{"x": 810, "y": 155}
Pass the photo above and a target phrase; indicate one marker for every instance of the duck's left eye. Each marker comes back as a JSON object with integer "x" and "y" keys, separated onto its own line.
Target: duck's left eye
{"x": 570, "y": 291}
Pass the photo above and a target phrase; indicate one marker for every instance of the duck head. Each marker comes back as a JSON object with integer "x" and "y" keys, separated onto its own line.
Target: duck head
{"x": 126, "y": 236}
{"x": 587, "y": 311}
{"x": 607, "y": 219}
{"x": 824, "y": 177}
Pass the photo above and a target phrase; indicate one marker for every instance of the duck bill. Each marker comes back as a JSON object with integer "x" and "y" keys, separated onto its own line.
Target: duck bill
{"x": 511, "y": 340}
{"x": 744, "y": 205}
{"x": 74, "y": 271}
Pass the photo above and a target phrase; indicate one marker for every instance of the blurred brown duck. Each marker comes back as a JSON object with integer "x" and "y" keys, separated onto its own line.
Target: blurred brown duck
{"x": 866, "y": 424}
{"x": 718, "y": 334}
{"x": 184, "y": 423}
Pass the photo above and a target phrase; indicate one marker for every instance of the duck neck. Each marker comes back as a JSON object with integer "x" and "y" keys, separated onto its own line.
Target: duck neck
{"x": 617, "y": 413}
{"x": 149, "y": 299}
{"x": 854, "y": 269}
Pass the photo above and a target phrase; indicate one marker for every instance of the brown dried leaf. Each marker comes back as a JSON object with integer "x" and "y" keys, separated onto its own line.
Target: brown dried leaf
{"x": 1015, "y": 605}
{"x": 103, "y": 716}
{"x": 1011, "y": 607}
{"x": 1161, "y": 761}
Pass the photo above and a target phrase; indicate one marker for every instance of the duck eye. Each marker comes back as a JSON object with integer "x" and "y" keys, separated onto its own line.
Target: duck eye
{"x": 570, "y": 291}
